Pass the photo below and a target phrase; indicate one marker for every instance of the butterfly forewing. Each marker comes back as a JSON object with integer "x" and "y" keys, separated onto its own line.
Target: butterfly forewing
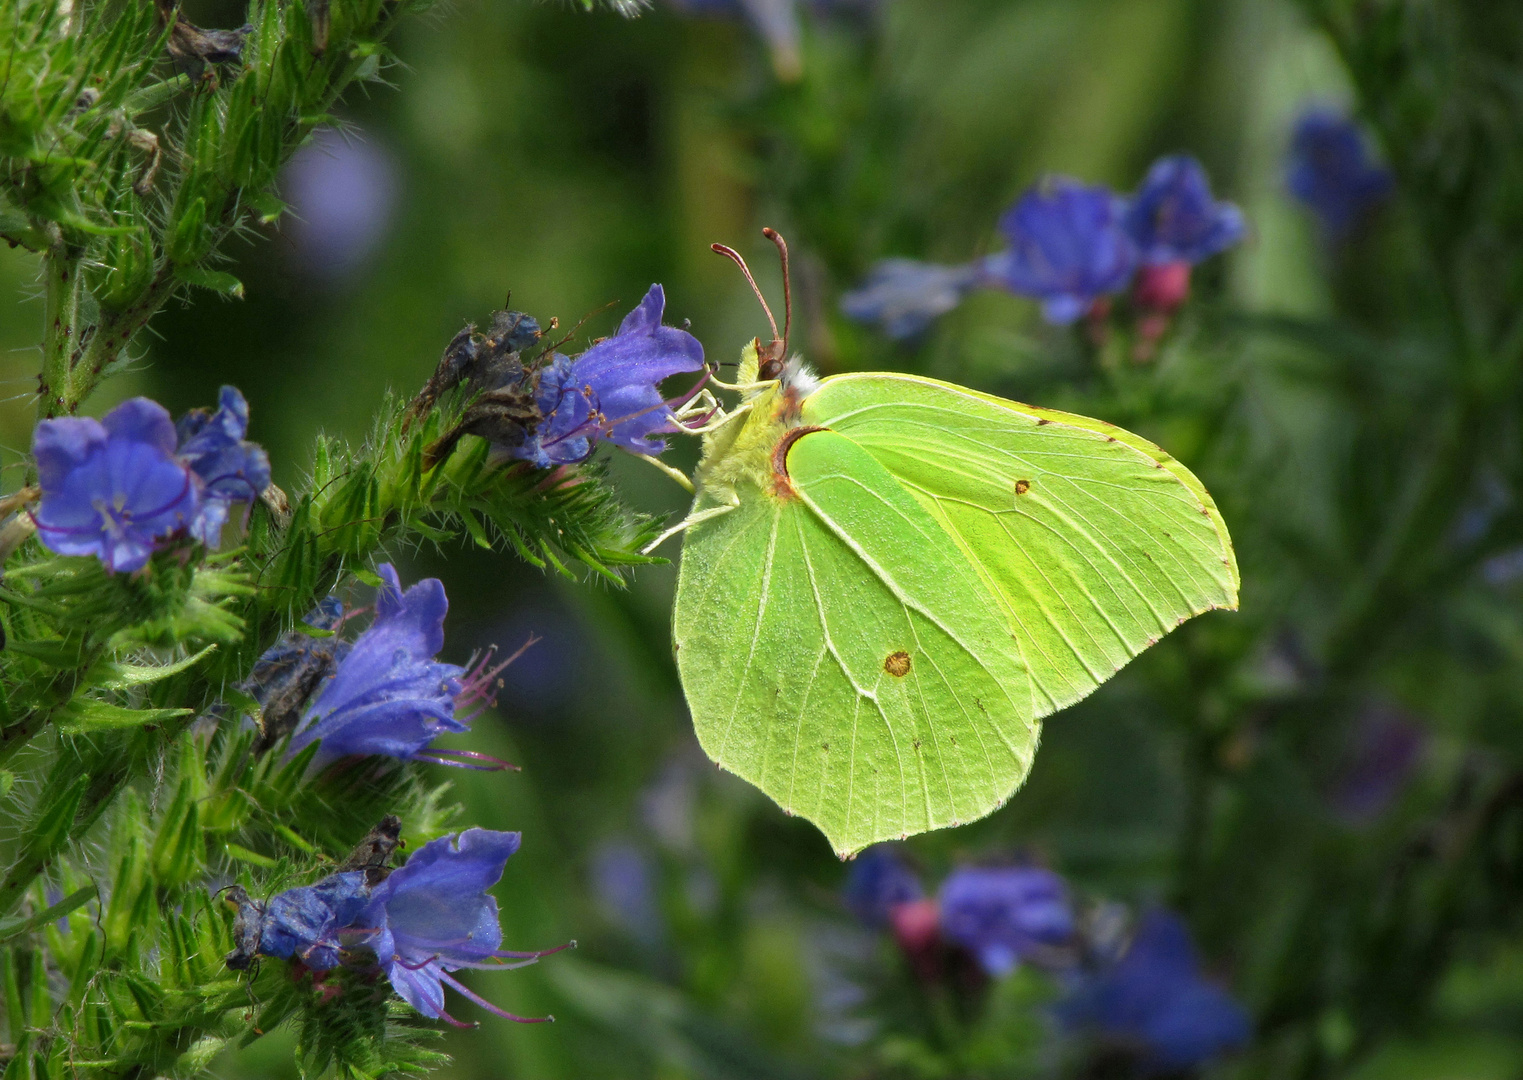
{"x": 840, "y": 652}
{"x": 1094, "y": 542}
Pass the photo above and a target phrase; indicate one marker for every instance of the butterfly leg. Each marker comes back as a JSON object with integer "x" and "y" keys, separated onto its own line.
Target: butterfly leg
{"x": 705, "y": 404}
{"x": 676, "y": 474}
{"x": 742, "y": 388}
{"x": 691, "y": 520}
{"x": 723, "y": 419}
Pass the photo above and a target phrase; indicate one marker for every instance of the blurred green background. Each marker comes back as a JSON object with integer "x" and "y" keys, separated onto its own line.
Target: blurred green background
{"x": 572, "y": 159}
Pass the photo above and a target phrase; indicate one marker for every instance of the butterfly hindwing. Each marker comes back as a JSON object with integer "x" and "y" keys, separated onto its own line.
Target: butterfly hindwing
{"x": 839, "y": 651}
{"x": 1094, "y": 542}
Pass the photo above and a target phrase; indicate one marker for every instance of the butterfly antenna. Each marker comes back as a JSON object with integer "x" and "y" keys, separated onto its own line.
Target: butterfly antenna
{"x": 782, "y": 253}
{"x": 733, "y": 255}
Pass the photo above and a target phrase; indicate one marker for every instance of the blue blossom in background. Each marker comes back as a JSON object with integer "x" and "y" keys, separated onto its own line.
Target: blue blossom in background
{"x": 1154, "y": 1003}
{"x": 1331, "y": 171}
{"x": 624, "y": 882}
{"x": 904, "y": 296}
{"x": 1005, "y": 915}
{"x": 878, "y": 882}
{"x": 1067, "y": 247}
{"x": 434, "y": 916}
{"x": 112, "y": 488}
{"x": 389, "y": 696}
{"x": 229, "y": 467}
{"x": 1173, "y": 217}
{"x": 612, "y": 390}
{"x": 304, "y": 923}
{"x": 343, "y": 193}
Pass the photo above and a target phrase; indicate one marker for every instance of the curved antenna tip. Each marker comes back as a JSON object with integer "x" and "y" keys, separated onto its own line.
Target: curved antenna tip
{"x": 736, "y": 257}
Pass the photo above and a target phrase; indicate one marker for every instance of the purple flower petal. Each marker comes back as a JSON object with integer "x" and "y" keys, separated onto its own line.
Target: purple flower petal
{"x": 1331, "y": 171}
{"x": 142, "y": 421}
{"x": 878, "y": 882}
{"x": 230, "y": 468}
{"x": 1154, "y": 1000}
{"x": 389, "y": 696}
{"x": 1173, "y": 217}
{"x": 904, "y": 296}
{"x": 1067, "y": 247}
{"x": 111, "y": 488}
{"x": 305, "y": 922}
{"x": 434, "y": 914}
{"x": 612, "y": 390}
{"x": 1004, "y": 915}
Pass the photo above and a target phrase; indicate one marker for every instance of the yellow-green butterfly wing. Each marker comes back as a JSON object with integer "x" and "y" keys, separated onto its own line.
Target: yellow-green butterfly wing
{"x": 890, "y": 580}
{"x": 840, "y": 653}
{"x": 1094, "y": 542}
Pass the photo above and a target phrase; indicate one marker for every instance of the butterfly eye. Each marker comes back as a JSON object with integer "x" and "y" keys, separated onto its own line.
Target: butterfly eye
{"x": 771, "y": 366}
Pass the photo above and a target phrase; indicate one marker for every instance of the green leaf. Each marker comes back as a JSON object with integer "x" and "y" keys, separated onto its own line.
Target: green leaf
{"x": 215, "y": 280}
{"x": 156, "y": 94}
{"x": 89, "y": 714}
{"x": 243, "y": 854}
{"x": 312, "y": 631}
{"x": 368, "y": 577}
{"x": 119, "y": 675}
{"x": 475, "y": 528}
{"x": 186, "y": 242}
{"x": 267, "y": 206}
{"x": 54, "y": 652}
{"x": 14, "y": 928}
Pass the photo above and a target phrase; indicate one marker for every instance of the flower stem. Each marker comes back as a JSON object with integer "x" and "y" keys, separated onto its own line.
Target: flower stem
{"x": 60, "y": 275}
{"x": 110, "y": 337}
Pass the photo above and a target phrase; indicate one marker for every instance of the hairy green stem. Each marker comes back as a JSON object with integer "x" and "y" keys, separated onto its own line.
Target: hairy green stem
{"x": 61, "y": 287}
{"x": 110, "y": 337}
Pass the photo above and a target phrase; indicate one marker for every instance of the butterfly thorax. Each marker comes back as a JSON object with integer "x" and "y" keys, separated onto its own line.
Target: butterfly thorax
{"x": 745, "y": 455}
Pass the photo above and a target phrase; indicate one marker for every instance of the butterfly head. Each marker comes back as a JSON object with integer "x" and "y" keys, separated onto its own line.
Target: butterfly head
{"x": 770, "y": 359}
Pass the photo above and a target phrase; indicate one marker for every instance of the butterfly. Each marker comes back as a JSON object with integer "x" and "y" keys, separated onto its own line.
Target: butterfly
{"x": 887, "y": 581}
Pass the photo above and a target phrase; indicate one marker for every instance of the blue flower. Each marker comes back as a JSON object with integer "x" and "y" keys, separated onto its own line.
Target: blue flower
{"x": 878, "y": 882}
{"x": 112, "y": 488}
{"x": 230, "y": 468}
{"x": 904, "y": 296}
{"x": 1173, "y": 217}
{"x": 1005, "y": 915}
{"x": 624, "y": 881}
{"x": 305, "y": 922}
{"x": 1331, "y": 171}
{"x": 1154, "y": 1002}
{"x": 612, "y": 390}
{"x": 1067, "y": 247}
{"x": 433, "y": 916}
{"x": 389, "y": 696}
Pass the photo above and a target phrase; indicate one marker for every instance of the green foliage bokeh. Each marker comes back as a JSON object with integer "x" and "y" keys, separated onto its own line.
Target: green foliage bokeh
{"x": 572, "y": 158}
